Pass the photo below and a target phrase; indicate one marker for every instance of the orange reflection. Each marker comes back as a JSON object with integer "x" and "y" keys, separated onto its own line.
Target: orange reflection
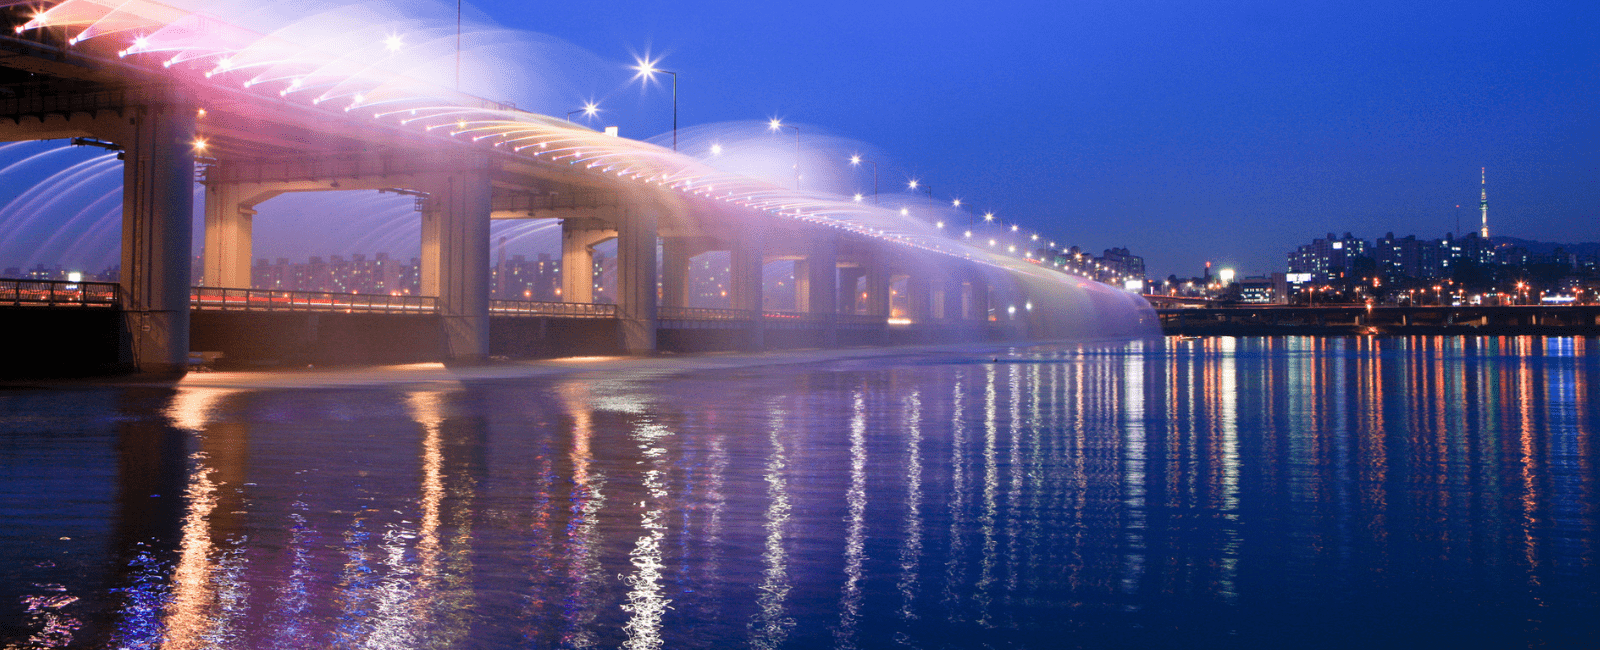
{"x": 1530, "y": 462}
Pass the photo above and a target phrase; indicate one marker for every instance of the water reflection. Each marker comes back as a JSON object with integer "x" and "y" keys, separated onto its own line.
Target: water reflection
{"x": 855, "y": 526}
{"x": 584, "y": 540}
{"x": 956, "y": 498}
{"x": 1228, "y": 492}
{"x": 983, "y": 596}
{"x": 911, "y": 544}
{"x": 645, "y": 600}
{"x": 771, "y": 624}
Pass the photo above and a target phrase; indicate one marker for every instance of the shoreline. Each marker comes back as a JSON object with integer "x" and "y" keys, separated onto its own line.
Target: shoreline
{"x": 615, "y": 367}
{"x": 661, "y": 365}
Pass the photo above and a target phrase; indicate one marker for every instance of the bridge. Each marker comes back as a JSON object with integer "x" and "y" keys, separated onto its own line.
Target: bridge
{"x": 186, "y": 97}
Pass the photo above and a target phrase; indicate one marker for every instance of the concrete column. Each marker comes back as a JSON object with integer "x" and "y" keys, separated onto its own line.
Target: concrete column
{"x": 980, "y": 298}
{"x": 229, "y": 223}
{"x": 849, "y": 300}
{"x": 822, "y": 277}
{"x": 745, "y": 259}
{"x": 878, "y": 289}
{"x": 459, "y": 261}
{"x": 802, "y": 286}
{"x": 919, "y": 299}
{"x": 578, "y": 239}
{"x": 821, "y": 289}
{"x": 675, "y": 256}
{"x": 636, "y": 279}
{"x": 157, "y": 207}
{"x": 428, "y": 274}
{"x": 954, "y": 295}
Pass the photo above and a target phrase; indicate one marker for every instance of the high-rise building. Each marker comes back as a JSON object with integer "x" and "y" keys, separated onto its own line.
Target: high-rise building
{"x": 1122, "y": 263}
{"x": 1406, "y": 257}
{"x": 1330, "y": 258}
{"x": 522, "y": 279}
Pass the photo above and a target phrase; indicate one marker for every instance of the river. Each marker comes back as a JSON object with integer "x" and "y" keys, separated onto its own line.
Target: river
{"x": 1219, "y": 493}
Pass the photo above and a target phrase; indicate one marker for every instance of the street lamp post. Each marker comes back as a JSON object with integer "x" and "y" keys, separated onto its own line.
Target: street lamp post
{"x": 647, "y": 71}
{"x": 776, "y": 125}
{"x": 915, "y": 185}
{"x": 856, "y": 160}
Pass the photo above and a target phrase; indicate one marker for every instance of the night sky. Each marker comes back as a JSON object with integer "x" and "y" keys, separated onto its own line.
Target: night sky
{"x": 1185, "y": 131}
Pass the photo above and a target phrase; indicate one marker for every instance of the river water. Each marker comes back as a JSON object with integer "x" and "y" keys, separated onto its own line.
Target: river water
{"x": 1250, "y": 493}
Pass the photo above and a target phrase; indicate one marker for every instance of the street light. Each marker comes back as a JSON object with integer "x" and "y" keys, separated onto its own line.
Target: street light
{"x": 914, "y": 184}
{"x": 590, "y": 109}
{"x": 856, "y": 160}
{"x": 647, "y": 71}
{"x": 774, "y": 125}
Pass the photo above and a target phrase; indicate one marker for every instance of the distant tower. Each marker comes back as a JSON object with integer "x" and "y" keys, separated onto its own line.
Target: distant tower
{"x": 1483, "y": 201}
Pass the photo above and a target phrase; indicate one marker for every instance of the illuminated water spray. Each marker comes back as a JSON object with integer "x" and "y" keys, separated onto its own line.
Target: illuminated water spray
{"x": 394, "y": 64}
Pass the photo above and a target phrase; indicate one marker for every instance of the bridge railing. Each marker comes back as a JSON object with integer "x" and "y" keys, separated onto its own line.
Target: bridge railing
{"x": 796, "y": 316}
{"x": 701, "y": 313}
{"x": 59, "y": 293}
{"x": 861, "y": 320}
{"x": 772, "y": 317}
{"x": 534, "y": 308}
{"x": 226, "y": 299}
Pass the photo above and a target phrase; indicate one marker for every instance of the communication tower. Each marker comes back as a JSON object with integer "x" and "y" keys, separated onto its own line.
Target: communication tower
{"x": 1483, "y": 201}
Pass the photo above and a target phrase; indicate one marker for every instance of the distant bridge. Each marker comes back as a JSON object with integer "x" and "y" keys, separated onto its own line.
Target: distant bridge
{"x": 177, "y": 92}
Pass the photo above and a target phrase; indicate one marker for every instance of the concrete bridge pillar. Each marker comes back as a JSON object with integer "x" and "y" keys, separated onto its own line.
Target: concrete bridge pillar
{"x": 821, "y": 288}
{"x": 919, "y": 299}
{"x": 821, "y": 278}
{"x": 954, "y": 295}
{"x": 455, "y": 261}
{"x": 676, "y": 254}
{"x": 802, "y": 285}
{"x": 229, "y": 224}
{"x": 878, "y": 289}
{"x": 636, "y": 278}
{"x": 746, "y": 261}
{"x": 157, "y": 206}
{"x": 578, "y": 239}
{"x": 849, "y": 296}
{"x": 980, "y": 298}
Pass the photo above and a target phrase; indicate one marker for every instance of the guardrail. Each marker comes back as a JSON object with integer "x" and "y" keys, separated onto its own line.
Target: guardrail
{"x": 701, "y": 313}
{"x": 225, "y": 299}
{"x": 771, "y": 317}
{"x": 534, "y": 308}
{"x": 862, "y": 320}
{"x": 797, "y": 317}
{"x": 59, "y": 293}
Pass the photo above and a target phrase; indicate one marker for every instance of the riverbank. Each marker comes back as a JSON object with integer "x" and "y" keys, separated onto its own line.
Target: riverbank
{"x": 620, "y": 367}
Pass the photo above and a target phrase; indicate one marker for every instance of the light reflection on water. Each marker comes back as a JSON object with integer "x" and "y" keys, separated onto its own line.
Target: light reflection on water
{"x": 1227, "y": 492}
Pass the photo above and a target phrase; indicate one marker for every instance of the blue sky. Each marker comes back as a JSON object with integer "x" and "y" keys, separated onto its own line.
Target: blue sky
{"x": 1185, "y": 131}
